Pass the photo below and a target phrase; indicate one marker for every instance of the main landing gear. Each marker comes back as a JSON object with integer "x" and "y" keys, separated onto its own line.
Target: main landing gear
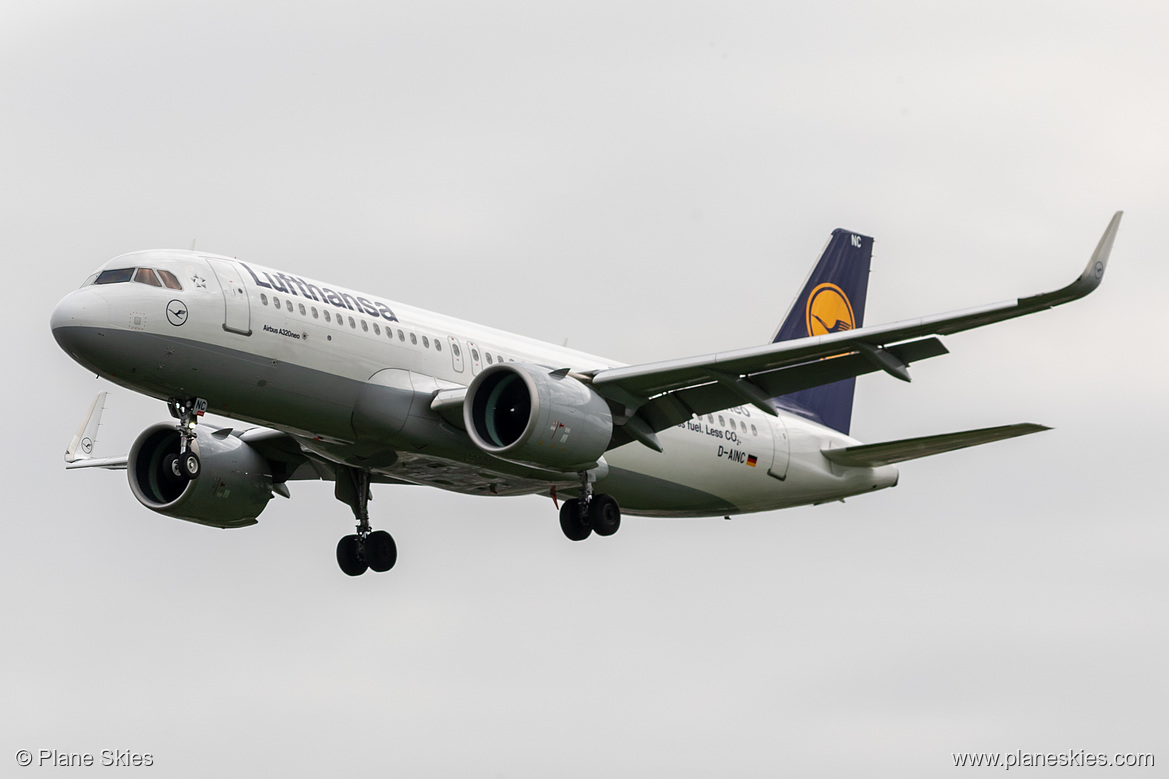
{"x": 185, "y": 465}
{"x": 374, "y": 550}
{"x": 590, "y": 513}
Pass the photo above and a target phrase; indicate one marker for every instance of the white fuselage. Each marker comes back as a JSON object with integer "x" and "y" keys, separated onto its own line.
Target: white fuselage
{"x": 351, "y": 374}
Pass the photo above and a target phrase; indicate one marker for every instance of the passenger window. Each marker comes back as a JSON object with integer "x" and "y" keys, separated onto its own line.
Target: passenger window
{"x": 301, "y": 307}
{"x": 315, "y": 314}
{"x": 376, "y": 330}
{"x": 437, "y": 345}
{"x": 754, "y": 431}
{"x": 425, "y": 342}
{"x": 475, "y": 354}
{"x": 352, "y": 323}
{"x": 169, "y": 281}
{"x": 114, "y": 276}
{"x": 456, "y": 350}
{"x": 364, "y": 326}
{"x": 489, "y": 360}
{"x": 413, "y": 339}
{"x": 401, "y": 336}
{"x": 276, "y": 301}
{"x": 328, "y": 316}
{"x": 288, "y": 305}
{"x": 263, "y": 298}
{"x": 721, "y": 421}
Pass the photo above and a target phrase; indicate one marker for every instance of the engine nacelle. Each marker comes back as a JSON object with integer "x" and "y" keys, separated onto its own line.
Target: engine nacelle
{"x": 233, "y": 487}
{"x": 525, "y": 414}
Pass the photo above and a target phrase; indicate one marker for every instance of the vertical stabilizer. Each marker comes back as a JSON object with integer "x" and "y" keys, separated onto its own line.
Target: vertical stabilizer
{"x": 831, "y": 300}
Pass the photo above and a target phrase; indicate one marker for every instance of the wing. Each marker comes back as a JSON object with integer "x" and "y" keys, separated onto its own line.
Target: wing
{"x": 658, "y": 395}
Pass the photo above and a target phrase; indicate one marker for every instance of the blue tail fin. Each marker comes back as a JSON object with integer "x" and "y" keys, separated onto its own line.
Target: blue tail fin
{"x": 832, "y": 299}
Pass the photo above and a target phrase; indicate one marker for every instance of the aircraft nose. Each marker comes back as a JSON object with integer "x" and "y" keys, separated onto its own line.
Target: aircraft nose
{"x": 76, "y": 311}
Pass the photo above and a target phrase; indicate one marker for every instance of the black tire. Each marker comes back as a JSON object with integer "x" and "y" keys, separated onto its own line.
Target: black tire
{"x": 575, "y": 527}
{"x": 604, "y": 515}
{"x": 349, "y": 556}
{"x": 189, "y": 466}
{"x": 380, "y": 551}
{"x": 171, "y": 471}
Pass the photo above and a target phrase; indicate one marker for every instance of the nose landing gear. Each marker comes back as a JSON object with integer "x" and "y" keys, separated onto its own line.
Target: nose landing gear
{"x": 185, "y": 465}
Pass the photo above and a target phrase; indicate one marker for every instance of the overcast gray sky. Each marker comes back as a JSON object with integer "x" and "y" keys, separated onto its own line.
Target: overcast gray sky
{"x": 647, "y": 180}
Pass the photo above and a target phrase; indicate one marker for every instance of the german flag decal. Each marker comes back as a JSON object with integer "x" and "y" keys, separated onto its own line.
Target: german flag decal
{"x": 751, "y": 460}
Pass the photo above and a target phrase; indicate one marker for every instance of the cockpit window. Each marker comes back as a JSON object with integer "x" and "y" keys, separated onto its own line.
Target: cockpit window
{"x": 168, "y": 280}
{"x": 147, "y": 276}
{"x": 114, "y": 276}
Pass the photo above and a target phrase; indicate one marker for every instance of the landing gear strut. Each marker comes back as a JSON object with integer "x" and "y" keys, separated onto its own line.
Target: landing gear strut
{"x": 185, "y": 465}
{"x": 590, "y": 513}
{"x": 367, "y": 549}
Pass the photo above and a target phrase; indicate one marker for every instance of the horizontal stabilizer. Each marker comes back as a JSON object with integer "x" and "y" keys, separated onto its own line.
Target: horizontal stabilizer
{"x": 875, "y": 455}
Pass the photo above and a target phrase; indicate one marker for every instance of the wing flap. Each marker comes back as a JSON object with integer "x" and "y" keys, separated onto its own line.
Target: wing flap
{"x": 875, "y": 455}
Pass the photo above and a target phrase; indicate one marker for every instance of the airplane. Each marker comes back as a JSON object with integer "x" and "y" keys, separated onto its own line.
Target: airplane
{"x": 350, "y": 387}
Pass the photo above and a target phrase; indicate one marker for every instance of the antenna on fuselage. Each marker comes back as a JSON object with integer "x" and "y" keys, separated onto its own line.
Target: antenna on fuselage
{"x": 193, "y": 243}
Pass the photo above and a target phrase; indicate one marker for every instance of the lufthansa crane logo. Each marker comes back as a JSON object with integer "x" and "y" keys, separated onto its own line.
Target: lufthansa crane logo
{"x": 176, "y": 312}
{"x": 829, "y": 311}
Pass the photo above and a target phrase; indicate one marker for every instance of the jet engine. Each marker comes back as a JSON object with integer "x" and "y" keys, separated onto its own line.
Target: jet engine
{"x": 526, "y": 414}
{"x": 233, "y": 487}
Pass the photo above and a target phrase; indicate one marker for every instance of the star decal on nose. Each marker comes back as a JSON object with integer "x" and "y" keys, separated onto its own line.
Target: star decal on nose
{"x": 198, "y": 281}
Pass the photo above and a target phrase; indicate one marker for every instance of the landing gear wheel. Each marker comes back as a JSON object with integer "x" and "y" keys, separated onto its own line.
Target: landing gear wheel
{"x": 349, "y": 556}
{"x": 575, "y": 527}
{"x": 189, "y": 466}
{"x": 604, "y": 515}
{"x": 380, "y": 551}
{"x": 170, "y": 469}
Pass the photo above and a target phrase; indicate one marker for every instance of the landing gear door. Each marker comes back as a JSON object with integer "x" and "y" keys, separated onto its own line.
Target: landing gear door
{"x": 782, "y": 448}
{"x": 237, "y": 315}
{"x": 456, "y": 354}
